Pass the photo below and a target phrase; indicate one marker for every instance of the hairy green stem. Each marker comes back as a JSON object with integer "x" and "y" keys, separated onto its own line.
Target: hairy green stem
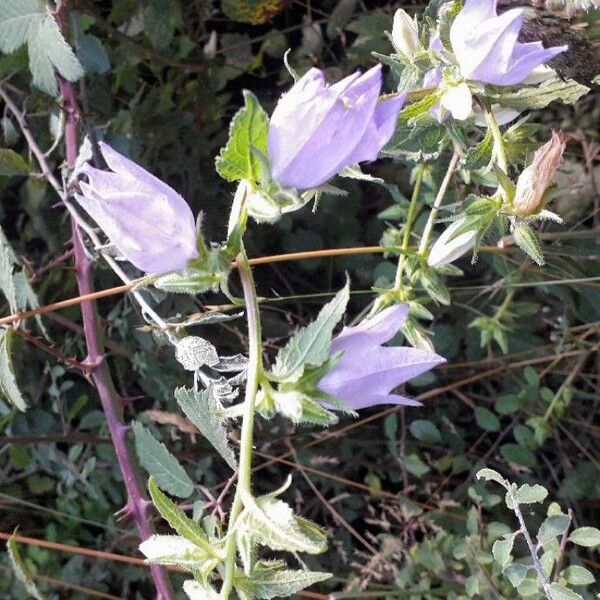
{"x": 244, "y": 486}
{"x": 499, "y": 148}
{"x": 410, "y": 218}
{"x": 438, "y": 202}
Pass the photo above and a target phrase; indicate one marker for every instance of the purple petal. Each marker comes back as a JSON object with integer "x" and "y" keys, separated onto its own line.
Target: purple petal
{"x": 486, "y": 47}
{"x": 377, "y": 371}
{"x": 150, "y": 224}
{"x": 369, "y": 400}
{"x": 380, "y": 129}
{"x": 312, "y": 139}
{"x": 371, "y": 332}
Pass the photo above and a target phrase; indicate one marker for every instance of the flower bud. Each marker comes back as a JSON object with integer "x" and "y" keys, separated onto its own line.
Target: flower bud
{"x": 448, "y": 248}
{"x": 535, "y": 179}
{"x": 316, "y": 130}
{"x": 146, "y": 220}
{"x": 405, "y": 34}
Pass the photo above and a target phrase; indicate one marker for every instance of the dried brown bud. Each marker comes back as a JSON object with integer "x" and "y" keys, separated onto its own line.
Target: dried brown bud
{"x": 536, "y": 178}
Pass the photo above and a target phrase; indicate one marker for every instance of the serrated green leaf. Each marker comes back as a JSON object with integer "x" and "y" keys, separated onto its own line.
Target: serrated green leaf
{"x": 176, "y": 550}
{"x": 531, "y": 494}
{"x": 201, "y": 408}
{"x": 552, "y": 527}
{"x": 248, "y": 130}
{"x": 279, "y": 583}
{"x": 20, "y": 571}
{"x": 8, "y": 383}
{"x": 480, "y": 156}
{"x": 421, "y": 107}
{"x": 516, "y": 573}
{"x": 538, "y": 97}
{"x": 589, "y": 537}
{"x": 31, "y": 22}
{"x": 310, "y": 346}
{"x": 177, "y": 519}
{"x": 434, "y": 286}
{"x": 274, "y": 524}
{"x": 160, "y": 463}
{"x": 527, "y": 239}
{"x": 12, "y": 163}
{"x": 560, "y": 592}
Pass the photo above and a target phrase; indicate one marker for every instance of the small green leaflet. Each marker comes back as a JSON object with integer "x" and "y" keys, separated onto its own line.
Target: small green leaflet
{"x": 310, "y": 346}
{"x": 538, "y": 97}
{"x": 248, "y": 131}
{"x": 279, "y": 584}
{"x": 527, "y": 239}
{"x": 201, "y": 408}
{"x": 560, "y": 592}
{"x": 31, "y": 22}
{"x": 159, "y": 462}
{"x": 19, "y": 569}
{"x": 589, "y": 537}
{"x": 177, "y": 519}
{"x": 8, "y": 382}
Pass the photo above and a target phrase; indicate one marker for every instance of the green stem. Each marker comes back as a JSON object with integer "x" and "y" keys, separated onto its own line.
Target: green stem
{"x": 437, "y": 203}
{"x": 244, "y": 486}
{"x": 410, "y": 218}
{"x": 499, "y": 148}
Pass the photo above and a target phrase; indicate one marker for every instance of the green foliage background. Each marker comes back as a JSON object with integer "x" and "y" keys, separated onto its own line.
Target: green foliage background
{"x": 396, "y": 489}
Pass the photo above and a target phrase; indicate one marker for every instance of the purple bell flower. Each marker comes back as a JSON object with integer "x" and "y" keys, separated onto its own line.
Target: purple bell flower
{"x": 316, "y": 130}
{"x": 367, "y": 372}
{"x": 146, "y": 220}
{"x": 486, "y": 47}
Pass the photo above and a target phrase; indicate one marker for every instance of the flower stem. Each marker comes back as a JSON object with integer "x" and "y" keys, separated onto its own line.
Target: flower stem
{"x": 438, "y": 202}
{"x": 244, "y": 486}
{"x": 410, "y": 218}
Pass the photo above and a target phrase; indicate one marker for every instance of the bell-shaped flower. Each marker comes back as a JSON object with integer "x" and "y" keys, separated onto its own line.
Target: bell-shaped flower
{"x": 537, "y": 177}
{"x": 150, "y": 224}
{"x": 405, "y": 33}
{"x": 368, "y": 372}
{"x": 316, "y": 129}
{"x": 486, "y": 44}
{"x": 449, "y": 246}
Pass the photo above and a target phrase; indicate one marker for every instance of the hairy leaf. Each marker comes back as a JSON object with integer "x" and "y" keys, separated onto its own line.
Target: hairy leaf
{"x": 18, "y": 567}
{"x": 201, "y": 409}
{"x": 280, "y": 583}
{"x": 8, "y": 383}
{"x": 248, "y": 131}
{"x": 177, "y": 519}
{"x": 30, "y": 22}
{"x": 310, "y": 346}
{"x": 160, "y": 463}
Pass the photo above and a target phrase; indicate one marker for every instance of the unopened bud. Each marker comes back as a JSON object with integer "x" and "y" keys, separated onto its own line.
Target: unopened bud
{"x": 449, "y": 247}
{"x": 537, "y": 177}
{"x": 405, "y": 34}
{"x": 194, "y": 352}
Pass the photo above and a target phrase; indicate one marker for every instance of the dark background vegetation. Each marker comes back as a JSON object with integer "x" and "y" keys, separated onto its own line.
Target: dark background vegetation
{"x": 394, "y": 488}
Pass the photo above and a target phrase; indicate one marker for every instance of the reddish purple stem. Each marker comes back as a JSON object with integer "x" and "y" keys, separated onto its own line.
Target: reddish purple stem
{"x": 137, "y": 505}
